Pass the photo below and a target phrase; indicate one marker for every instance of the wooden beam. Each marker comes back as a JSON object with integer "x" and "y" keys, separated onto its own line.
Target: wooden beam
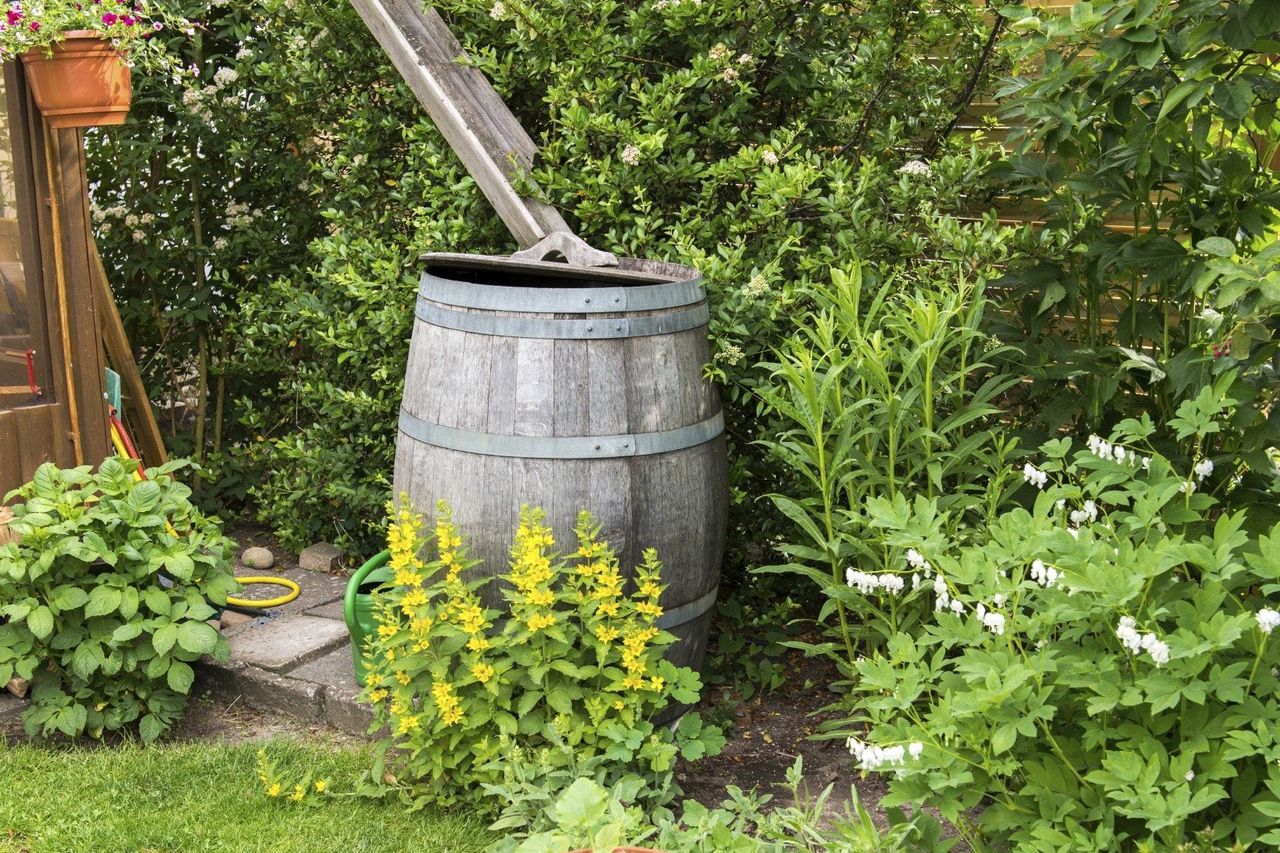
{"x": 466, "y": 108}
{"x": 120, "y": 355}
{"x": 82, "y": 342}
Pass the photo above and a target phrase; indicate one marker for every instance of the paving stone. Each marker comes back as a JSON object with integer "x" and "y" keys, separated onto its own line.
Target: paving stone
{"x": 261, "y": 689}
{"x": 320, "y": 557}
{"x": 342, "y": 711}
{"x": 332, "y": 610}
{"x": 288, "y": 642}
{"x": 315, "y": 589}
{"x": 336, "y": 669}
{"x": 231, "y": 619}
{"x": 257, "y": 558}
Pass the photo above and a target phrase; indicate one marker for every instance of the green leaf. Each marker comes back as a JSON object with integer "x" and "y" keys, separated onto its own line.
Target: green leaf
{"x": 125, "y": 633}
{"x": 180, "y": 677}
{"x": 68, "y": 597}
{"x": 1218, "y": 246}
{"x": 1188, "y": 91}
{"x": 86, "y": 659}
{"x": 150, "y": 728}
{"x": 40, "y": 622}
{"x": 197, "y": 638}
{"x": 157, "y": 600}
{"x": 164, "y": 638}
{"x": 103, "y": 600}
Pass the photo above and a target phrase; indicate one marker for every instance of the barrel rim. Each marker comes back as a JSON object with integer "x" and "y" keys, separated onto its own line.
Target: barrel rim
{"x": 560, "y": 300}
{"x": 628, "y": 271}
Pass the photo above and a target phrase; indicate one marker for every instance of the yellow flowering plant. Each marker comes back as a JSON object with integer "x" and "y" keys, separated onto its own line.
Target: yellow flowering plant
{"x": 571, "y": 665}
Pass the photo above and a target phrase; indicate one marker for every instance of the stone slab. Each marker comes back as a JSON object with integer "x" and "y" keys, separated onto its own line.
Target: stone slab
{"x": 288, "y": 642}
{"x": 336, "y": 669}
{"x": 315, "y": 589}
{"x": 320, "y": 557}
{"x": 264, "y": 690}
{"x": 332, "y": 610}
{"x": 343, "y": 711}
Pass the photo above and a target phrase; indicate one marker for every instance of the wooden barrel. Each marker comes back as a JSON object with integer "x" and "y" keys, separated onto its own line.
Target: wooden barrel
{"x": 571, "y": 388}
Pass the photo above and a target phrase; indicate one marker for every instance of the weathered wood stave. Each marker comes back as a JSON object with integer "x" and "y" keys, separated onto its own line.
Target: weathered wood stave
{"x": 493, "y": 394}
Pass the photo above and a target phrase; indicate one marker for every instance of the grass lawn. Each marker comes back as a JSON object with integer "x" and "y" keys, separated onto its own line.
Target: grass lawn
{"x": 199, "y": 796}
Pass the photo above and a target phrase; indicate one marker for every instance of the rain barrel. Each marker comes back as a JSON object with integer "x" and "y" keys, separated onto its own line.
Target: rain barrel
{"x": 569, "y": 388}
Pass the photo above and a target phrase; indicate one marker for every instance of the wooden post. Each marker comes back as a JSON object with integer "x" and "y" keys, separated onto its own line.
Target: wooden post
{"x": 135, "y": 398}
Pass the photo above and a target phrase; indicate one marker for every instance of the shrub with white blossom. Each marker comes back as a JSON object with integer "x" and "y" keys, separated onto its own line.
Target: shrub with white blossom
{"x": 1111, "y": 679}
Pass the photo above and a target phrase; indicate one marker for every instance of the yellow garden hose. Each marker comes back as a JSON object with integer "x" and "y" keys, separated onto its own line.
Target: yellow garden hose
{"x": 266, "y": 602}
{"x": 122, "y": 446}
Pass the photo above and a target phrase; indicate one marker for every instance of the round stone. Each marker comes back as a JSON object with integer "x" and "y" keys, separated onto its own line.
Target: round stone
{"x": 257, "y": 558}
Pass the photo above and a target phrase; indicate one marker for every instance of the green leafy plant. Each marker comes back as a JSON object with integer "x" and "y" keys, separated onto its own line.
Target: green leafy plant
{"x": 588, "y": 815}
{"x": 882, "y": 398}
{"x": 1101, "y": 672}
{"x": 106, "y": 595}
{"x": 1146, "y": 137}
{"x": 480, "y": 701}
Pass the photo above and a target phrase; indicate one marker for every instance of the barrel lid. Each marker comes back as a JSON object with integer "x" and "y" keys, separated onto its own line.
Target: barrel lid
{"x": 630, "y": 271}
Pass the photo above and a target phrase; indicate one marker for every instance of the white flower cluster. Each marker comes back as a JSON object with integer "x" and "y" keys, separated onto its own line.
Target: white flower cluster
{"x": 224, "y": 77}
{"x": 756, "y": 287}
{"x": 769, "y": 157}
{"x": 499, "y": 11}
{"x": 1044, "y": 575}
{"x": 239, "y": 215}
{"x": 990, "y": 619}
{"x": 718, "y": 53}
{"x": 730, "y": 354}
{"x": 1137, "y": 642}
{"x": 1268, "y": 619}
{"x": 1203, "y": 469}
{"x": 659, "y": 5}
{"x": 915, "y": 168}
{"x": 867, "y": 583}
{"x": 1035, "y": 476}
{"x": 1088, "y": 513}
{"x": 942, "y": 598}
{"x": 875, "y": 757}
{"x": 1104, "y": 449}
{"x": 631, "y": 155}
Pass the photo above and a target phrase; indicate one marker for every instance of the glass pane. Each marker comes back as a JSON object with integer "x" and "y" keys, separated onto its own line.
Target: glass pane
{"x": 16, "y": 304}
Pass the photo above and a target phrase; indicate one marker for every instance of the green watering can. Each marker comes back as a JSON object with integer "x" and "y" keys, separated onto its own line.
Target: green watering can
{"x": 357, "y": 606}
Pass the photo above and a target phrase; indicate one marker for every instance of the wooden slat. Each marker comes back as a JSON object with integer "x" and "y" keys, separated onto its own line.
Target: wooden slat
{"x": 83, "y": 342}
{"x": 134, "y": 397}
{"x": 465, "y": 107}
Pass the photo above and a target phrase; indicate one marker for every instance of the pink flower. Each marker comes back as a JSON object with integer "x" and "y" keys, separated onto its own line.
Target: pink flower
{"x": 109, "y": 18}
{"x": 129, "y": 20}
{"x": 35, "y": 26}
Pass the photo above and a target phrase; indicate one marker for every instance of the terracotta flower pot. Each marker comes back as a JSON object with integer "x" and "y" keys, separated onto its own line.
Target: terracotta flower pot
{"x": 84, "y": 83}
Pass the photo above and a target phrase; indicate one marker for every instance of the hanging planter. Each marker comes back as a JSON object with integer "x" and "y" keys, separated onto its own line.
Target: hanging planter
{"x": 78, "y": 54}
{"x": 81, "y": 81}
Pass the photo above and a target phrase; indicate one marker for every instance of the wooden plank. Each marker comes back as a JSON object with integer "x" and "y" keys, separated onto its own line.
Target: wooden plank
{"x": 466, "y": 109}
{"x": 83, "y": 343}
{"x": 33, "y": 444}
{"x": 31, "y": 176}
{"x": 10, "y": 466}
{"x": 134, "y": 399}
